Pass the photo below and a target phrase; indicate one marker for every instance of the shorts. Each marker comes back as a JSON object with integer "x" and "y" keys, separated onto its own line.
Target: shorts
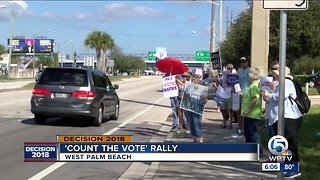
{"x": 227, "y": 104}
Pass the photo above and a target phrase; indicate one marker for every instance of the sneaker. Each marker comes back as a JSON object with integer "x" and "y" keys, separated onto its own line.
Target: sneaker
{"x": 178, "y": 131}
{"x": 187, "y": 131}
{"x": 292, "y": 175}
{"x": 238, "y": 134}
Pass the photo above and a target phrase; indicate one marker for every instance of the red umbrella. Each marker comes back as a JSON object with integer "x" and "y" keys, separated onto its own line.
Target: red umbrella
{"x": 171, "y": 66}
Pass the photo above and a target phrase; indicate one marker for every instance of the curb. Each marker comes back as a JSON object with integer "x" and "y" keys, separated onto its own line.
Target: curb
{"x": 145, "y": 170}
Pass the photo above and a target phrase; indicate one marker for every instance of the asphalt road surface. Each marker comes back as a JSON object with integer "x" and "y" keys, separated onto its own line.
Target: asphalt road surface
{"x": 142, "y": 112}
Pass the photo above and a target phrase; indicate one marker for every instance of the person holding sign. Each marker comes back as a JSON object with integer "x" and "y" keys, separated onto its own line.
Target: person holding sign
{"x": 226, "y": 106}
{"x": 244, "y": 83}
{"x": 180, "y": 81}
{"x": 197, "y": 96}
{"x": 251, "y": 107}
{"x": 270, "y": 84}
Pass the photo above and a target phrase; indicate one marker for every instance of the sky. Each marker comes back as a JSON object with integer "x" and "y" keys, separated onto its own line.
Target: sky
{"x": 182, "y": 27}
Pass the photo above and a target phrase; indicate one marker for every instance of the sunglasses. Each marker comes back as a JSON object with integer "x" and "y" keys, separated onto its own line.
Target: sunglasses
{"x": 243, "y": 61}
{"x": 274, "y": 69}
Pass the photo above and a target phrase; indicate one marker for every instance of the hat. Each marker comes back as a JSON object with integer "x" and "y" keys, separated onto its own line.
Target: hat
{"x": 287, "y": 75}
{"x": 243, "y": 59}
{"x": 186, "y": 74}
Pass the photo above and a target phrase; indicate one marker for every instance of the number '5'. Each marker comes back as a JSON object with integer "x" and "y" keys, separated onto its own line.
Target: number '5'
{"x": 278, "y": 142}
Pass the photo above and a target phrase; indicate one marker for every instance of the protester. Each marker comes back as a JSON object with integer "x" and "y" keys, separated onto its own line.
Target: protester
{"x": 292, "y": 116}
{"x": 215, "y": 84}
{"x": 183, "y": 122}
{"x": 251, "y": 107}
{"x": 275, "y": 81}
{"x": 194, "y": 118}
{"x": 244, "y": 84}
{"x": 173, "y": 104}
{"x": 226, "y": 106}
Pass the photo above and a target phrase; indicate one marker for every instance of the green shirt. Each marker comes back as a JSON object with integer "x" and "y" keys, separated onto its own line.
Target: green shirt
{"x": 252, "y": 92}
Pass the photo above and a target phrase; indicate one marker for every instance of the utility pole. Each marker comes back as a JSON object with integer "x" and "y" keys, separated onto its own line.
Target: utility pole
{"x": 220, "y": 22}
{"x": 227, "y": 27}
{"x": 10, "y": 42}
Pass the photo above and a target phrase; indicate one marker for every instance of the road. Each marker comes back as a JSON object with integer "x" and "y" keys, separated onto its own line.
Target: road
{"x": 142, "y": 112}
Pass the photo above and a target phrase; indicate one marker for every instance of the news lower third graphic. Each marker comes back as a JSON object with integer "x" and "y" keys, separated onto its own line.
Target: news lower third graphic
{"x": 121, "y": 148}
{"x": 282, "y": 156}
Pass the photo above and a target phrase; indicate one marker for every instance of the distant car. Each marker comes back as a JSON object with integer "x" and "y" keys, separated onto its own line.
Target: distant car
{"x": 125, "y": 74}
{"x": 74, "y": 92}
{"x": 148, "y": 72}
{"x": 315, "y": 78}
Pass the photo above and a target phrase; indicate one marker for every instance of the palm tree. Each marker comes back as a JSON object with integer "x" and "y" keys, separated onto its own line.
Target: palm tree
{"x": 109, "y": 44}
{"x": 101, "y": 42}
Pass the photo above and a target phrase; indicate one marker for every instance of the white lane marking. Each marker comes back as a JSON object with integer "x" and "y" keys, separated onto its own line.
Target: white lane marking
{"x": 56, "y": 165}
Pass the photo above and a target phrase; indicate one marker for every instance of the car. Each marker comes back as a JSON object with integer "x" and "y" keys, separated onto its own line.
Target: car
{"x": 74, "y": 92}
{"x": 125, "y": 74}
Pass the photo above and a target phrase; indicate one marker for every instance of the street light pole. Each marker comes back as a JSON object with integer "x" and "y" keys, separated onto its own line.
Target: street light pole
{"x": 10, "y": 42}
{"x": 212, "y": 34}
{"x": 34, "y": 51}
{"x": 33, "y": 55}
{"x": 72, "y": 54}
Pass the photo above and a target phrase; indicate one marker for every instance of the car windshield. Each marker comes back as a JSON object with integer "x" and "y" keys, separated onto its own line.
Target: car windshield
{"x": 73, "y": 77}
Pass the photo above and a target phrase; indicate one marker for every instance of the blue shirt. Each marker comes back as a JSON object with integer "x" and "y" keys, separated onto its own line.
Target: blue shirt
{"x": 243, "y": 79}
{"x": 291, "y": 109}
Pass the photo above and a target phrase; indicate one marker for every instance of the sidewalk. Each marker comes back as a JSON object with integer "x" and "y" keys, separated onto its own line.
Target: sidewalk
{"x": 14, "y": 84}
{"x": 213, "y": 133}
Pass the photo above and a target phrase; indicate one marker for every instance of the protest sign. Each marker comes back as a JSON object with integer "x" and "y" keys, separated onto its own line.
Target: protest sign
{"x": 193, "y": 97}
{"x": 264, "y": 83}
{"x": 169, "y": 87}
{"x": 232, "y": 79}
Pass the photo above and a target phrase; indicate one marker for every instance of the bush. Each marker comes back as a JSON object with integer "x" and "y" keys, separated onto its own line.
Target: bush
{"x": 301, "y": 79}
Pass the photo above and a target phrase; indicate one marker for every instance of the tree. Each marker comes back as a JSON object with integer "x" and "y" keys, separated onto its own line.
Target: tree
{"x": 125, "y": 63}
{"x": 238, "y": 41}
{"x": 2, "y": 50}
{"x": 100, "y": 41}
{"x": 109, "y": 44}
{"x": 303, "y": 38}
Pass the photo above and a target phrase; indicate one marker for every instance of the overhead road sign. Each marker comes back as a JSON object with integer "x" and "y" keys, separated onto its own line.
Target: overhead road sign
{"x": 152, "y": 55}
{"x": 285, "y": 4}
{"x": 202, "y": 55}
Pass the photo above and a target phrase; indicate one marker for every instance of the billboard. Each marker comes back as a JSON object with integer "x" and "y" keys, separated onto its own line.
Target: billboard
{"x": 25, "y": 46}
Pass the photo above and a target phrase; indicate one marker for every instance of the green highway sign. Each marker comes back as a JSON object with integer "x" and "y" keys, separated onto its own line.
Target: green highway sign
{"x": 152, "y": 55}
{"x": 202, "y": 56}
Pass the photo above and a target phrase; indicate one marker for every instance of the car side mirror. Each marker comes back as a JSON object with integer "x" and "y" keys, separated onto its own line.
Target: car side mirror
{"x": 116, "y": 86}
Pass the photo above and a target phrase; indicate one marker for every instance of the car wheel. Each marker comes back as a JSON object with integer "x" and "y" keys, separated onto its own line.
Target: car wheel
{"x": 40, "y": 119}
{"x": 97, "y": 121}
{"x": 115, "y": 115}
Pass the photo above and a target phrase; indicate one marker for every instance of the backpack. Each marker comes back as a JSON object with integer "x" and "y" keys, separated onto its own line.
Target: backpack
{"x": 302, "y": 100}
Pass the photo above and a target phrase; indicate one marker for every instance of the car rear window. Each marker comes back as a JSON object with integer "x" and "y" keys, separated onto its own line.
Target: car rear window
{"x": 72, "y": 77}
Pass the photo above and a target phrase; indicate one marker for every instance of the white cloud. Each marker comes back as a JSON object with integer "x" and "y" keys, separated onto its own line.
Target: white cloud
{"x": 52, "y": 16}
{"x": 20, "y": 8}
{"x": 191, "y": 19}
{"x": 21, "y": 4}
{"x": 120, "y": 11}
{"x": 82, "y": 16}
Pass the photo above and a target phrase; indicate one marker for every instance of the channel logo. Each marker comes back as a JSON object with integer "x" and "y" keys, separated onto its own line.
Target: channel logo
{"x": 278, "y": 145}
{"x": 287, "y": 153}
